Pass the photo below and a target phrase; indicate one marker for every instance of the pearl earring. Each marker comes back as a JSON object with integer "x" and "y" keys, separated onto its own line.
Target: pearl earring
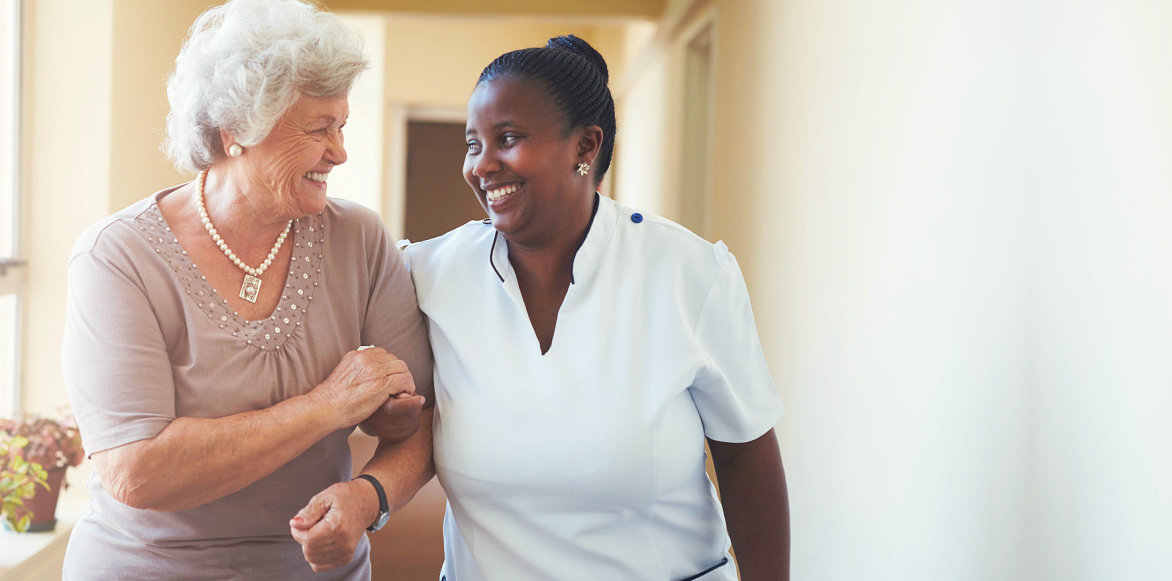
{"x": 583, "y": 168}
{"x": 235, "y": 150}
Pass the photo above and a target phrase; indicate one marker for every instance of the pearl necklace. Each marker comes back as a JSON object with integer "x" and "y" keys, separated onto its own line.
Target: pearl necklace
{"x": 250, "y": 290}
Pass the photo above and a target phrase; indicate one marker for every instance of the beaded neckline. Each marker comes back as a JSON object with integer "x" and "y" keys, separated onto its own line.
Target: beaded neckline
{"x": 250, "y": 290}
{"x": 267, "y": 334}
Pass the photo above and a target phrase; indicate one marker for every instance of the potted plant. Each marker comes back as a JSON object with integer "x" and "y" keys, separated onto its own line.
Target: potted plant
{"x": 34, "y": 453}
{"x": 19, "y": 479}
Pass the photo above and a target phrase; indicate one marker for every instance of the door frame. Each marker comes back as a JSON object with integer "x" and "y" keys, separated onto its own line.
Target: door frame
{"x": 398, "y": 116}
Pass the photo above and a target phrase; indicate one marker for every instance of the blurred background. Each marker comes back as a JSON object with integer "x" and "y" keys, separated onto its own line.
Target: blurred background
{"x": 953, "y": 218}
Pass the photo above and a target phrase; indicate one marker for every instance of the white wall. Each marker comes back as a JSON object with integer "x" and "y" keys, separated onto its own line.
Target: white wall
{"x": 887, "y": 227}
{"x": 1103, "y": 488}
{"x": 954, "y": 222}
{"x": 871, "y": 177}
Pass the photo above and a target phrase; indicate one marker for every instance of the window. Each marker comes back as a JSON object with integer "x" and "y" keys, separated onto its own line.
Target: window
{"x": 11, "y": 271}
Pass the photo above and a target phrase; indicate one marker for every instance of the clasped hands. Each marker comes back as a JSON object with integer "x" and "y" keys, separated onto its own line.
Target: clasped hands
{"x": 375, "y": 388}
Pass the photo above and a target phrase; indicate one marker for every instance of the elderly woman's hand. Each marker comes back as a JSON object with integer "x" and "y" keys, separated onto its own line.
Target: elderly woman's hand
{"x": 361, "y": 383}
{"x": 331, "y": 525}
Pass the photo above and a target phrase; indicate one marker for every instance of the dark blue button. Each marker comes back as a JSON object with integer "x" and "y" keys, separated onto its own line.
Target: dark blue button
{"x": 636, "y": 217}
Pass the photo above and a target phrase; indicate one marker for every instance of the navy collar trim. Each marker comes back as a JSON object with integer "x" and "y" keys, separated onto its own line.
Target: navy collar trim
{"x": 496, "y": 234}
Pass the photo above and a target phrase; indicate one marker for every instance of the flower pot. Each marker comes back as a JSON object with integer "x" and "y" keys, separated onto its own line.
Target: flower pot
{"x": 43, "y": 505}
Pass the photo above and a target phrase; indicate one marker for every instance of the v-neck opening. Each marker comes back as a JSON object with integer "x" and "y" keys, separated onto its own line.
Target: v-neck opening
{"x": 557, "y": 323}
{"x": 598, "y": 233}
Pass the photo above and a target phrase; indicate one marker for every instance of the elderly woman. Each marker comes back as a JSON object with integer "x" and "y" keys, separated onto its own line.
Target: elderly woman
{"x": 212, "y": 343}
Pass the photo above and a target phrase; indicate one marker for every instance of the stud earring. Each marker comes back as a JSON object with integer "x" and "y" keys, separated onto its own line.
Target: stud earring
{"x": 235, "y": 150}
{"x": 583, "y": 168}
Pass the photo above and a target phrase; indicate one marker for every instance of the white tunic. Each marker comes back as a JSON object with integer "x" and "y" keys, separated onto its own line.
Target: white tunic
{"x": 587, "y": 462}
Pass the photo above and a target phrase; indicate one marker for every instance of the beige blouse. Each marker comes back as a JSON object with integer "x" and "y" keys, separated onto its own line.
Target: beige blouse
{"x": 148, "y": 340}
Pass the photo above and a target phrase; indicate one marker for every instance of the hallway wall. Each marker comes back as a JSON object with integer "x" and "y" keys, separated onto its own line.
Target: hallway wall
{"x": 869, "y": 174}
{"x": 887, "y": 230}
{"x": 94, "y": 112}
{"x": 952, "y": 218}
{"x": 1103, "y": 488}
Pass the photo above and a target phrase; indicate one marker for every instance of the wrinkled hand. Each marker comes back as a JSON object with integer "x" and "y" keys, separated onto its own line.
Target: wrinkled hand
{"x": 362, "y": 382}
{"x": 397, "y": 419}
{"x": 330, "y": 527}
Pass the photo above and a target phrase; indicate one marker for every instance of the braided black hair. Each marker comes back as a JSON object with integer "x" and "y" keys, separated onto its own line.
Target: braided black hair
{"x": 575, "y": 76}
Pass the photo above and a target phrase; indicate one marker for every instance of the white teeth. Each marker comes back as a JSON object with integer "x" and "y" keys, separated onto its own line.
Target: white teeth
{"x": 501, "y": 193}
{"x": 318, "y": 177}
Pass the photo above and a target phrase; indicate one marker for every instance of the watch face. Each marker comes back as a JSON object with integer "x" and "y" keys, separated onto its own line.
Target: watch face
{"x": 381, "y": 521}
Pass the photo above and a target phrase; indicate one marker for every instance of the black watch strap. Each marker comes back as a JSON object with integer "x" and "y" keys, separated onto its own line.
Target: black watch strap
{"x": 384, "y": 512}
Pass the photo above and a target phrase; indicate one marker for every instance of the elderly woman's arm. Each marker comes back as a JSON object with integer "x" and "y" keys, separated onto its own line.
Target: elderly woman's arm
{"x": 194, "y": 461}
{"x": 756, "y": 505}
{"x": 331, "y": 525}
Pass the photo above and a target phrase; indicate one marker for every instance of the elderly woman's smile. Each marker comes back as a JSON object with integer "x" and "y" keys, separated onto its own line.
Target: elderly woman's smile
{"x": 294, "y": 161}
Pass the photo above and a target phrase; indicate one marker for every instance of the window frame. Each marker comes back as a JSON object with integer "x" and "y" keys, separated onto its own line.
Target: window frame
{"x": 12, "y": 267}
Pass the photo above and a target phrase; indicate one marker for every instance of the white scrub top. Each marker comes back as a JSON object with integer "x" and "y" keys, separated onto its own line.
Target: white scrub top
{"x": 587, "y": 462}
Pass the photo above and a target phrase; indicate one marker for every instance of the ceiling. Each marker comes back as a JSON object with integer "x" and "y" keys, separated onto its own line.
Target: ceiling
{"x": 640, "y": 9}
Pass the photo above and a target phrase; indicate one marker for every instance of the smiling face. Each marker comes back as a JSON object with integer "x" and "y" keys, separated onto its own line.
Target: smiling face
{"x": 294, "y": 160}
{"x": 521, "y": 159}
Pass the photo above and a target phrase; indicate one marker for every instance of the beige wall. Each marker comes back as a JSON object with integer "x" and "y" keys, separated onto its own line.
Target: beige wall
{"x": 94, "y": 114}
{"x": 362, "y": 178}
{"x": 647, "y": 160}
{"x": 609, "y": 9}
{"x": 147, "y": 37}
{"x": 435, "y": 61}
{"x": 66, "y": 171}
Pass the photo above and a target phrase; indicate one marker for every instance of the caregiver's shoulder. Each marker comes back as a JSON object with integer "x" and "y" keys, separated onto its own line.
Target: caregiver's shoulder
{"x": 469, "y": 238}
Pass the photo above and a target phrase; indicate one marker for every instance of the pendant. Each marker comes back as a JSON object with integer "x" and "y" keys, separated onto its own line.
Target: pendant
{"x": 250, "y": 289}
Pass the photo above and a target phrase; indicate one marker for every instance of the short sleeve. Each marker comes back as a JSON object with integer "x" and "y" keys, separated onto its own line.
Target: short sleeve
{"x": 735, "y": 394}
{"x": 117, "y": 370}
{"x": 393, "y": 320}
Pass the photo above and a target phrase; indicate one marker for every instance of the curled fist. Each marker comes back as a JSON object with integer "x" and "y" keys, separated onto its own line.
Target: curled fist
{"x": 330, "y": 527}
{"x": 396, "y": 420}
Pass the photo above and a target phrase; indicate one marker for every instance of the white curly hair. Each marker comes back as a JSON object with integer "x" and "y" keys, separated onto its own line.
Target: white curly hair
{"x": 243, "y": 65}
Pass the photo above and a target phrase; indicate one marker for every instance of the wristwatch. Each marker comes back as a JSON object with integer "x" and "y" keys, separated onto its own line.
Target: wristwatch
{"x": 384, "y": 512}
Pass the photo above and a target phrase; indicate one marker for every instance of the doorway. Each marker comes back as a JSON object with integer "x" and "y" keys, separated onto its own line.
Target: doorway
{"x": 437, "y": 197}
{"x": 696, "y": 157}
